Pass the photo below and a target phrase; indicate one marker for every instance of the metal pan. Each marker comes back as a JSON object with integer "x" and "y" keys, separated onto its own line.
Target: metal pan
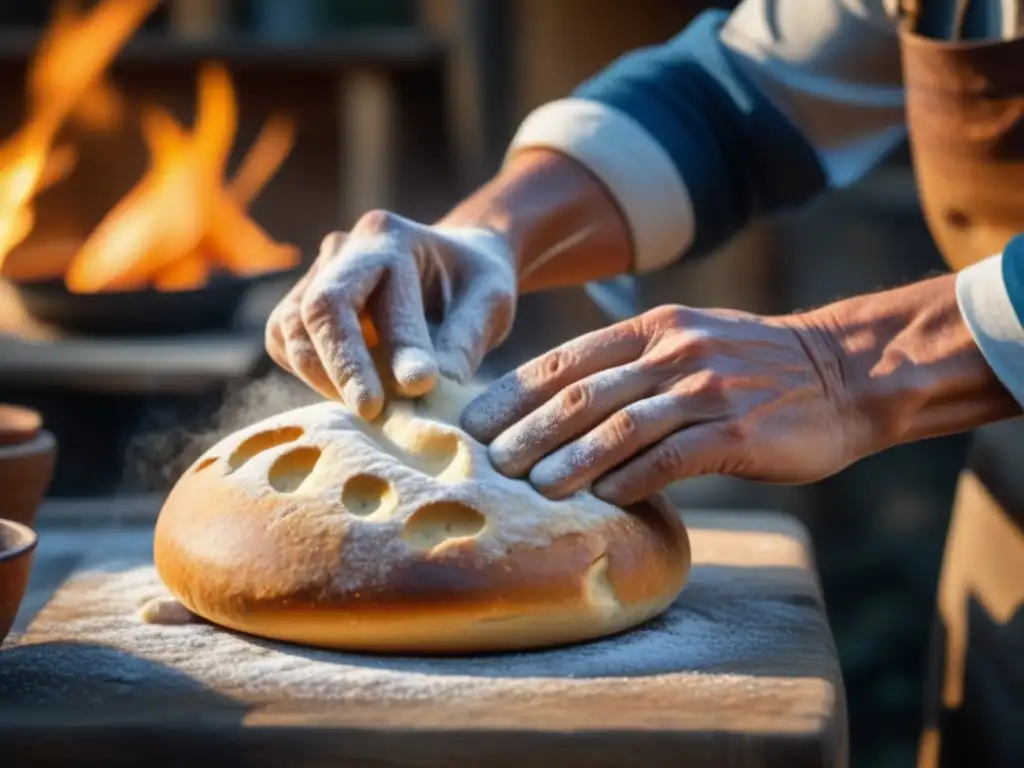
{"x": 137, "y": 313}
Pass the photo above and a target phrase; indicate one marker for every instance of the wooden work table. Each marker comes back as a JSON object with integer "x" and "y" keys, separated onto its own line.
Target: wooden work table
{"x": 741, "y": 671}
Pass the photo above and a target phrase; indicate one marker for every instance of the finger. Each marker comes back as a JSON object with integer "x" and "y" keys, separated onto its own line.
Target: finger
{"x": 330, "y": 313}
{"x": 303, "y": 359}
{"x": 522, "y": 391}
{"x": 690, "y": 452}
{"x": 285, "y": 320}
{"x": 476, "y": 321}
{"x": 288, "y": 342}
{"x": 398, "y": 314}
{"x": 572, "y": 412}
{"x": 330, "y": 246}
{"x": 273, "y": 338}
{"x": 623, "y": 435}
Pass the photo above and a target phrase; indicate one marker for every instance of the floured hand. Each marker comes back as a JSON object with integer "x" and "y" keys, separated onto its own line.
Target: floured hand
{"x": 396, "y": 271}
{"x": 673, "y": 393}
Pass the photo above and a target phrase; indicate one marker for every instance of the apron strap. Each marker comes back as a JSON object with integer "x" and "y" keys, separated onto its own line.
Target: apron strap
{"x": 962, "y": 6}
{"x": 912, "y": 10}
{"x": 911, "y": 13}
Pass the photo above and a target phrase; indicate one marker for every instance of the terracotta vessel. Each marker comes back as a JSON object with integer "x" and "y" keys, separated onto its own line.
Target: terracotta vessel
{"x": 27, "y": 457}
{"x": 17, "y": 547}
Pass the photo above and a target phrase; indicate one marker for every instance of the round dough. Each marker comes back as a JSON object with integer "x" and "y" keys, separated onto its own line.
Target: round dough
{"x": 398, "y": 536}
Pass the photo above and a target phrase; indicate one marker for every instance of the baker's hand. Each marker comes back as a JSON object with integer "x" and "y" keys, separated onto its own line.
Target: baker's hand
{"x": 396, "y": 271}
{"x": 673, "y": 393}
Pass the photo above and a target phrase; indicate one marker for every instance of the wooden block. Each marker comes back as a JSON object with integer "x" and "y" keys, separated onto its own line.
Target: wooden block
{"x": 741, "y": 671}
{"x": 366, "y": 114}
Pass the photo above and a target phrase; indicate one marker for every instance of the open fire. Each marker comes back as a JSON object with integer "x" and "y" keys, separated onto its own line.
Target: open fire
{"x": 184, "y": 219}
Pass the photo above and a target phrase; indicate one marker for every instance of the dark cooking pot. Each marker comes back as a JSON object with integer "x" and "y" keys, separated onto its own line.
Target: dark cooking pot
{"x": 135, "y": 313}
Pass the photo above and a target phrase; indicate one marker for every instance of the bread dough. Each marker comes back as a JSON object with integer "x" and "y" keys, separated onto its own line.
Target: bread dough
{"x": 166, "y": 611}
{"x": 398, "y": 536}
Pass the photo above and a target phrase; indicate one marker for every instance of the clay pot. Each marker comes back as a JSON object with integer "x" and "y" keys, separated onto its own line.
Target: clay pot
{"x": 27, "y": 457}
{"x": 17, "y": 547}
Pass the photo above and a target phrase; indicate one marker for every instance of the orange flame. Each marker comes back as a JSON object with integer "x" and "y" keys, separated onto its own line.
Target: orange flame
{"x": 179, "y": 222}
{"x": 182, "y": 220}
{"x": 74, "y": 52}
{"x": 67, "y": 74}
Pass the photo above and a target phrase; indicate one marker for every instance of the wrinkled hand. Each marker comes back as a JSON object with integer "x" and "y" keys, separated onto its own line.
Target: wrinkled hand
{"x": 673, "y": 393}
{"x": 396, "y": 271}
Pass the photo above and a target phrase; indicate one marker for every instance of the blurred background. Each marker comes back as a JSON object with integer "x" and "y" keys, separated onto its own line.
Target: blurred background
{"x": 347, "y": 105}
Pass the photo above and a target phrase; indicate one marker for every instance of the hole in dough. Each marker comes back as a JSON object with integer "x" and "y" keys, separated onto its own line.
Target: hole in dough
{"x": 598, "y": 587}
{"x": 290, "y": 470}
{"x": 442, "y": 521}
{"x": 442, "y": 455}
{"x": 260, "y": 442}
{"x": 209, "y": 461}
{"x": 435, "y": 452}
{"x": 366, "y": 495}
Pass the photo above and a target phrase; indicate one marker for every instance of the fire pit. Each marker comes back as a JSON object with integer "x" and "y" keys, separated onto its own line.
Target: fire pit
{"x": 136, "y": 313}
{"x": 138, "y": 304}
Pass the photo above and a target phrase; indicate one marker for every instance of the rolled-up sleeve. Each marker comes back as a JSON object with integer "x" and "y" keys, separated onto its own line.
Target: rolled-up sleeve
{"x": 739, "y": 116}
{"x": 991, "y": 299}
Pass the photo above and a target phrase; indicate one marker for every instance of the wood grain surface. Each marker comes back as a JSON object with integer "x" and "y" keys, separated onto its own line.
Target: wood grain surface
{"x": 741, "y": 671}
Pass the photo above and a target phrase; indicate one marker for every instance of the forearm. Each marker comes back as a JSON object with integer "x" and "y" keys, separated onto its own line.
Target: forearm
{"x": 665, "y": 154}
{"x": 673, "y": 149}
{"x": 908, "y": 363}
{"x": 562, "y": 225}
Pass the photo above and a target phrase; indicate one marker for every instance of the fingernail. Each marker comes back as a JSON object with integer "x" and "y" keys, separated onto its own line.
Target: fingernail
{"x": 415, "y": 371}
{"x": 501, "y": 452}
{"x": 550, "y": 476}
{"x": 361, "y": 400}
{"x": 604, "y": 490}
{"x": 474, "y": 423}
{"x": 454, "y": 365}
{"x": 549, "y": 471}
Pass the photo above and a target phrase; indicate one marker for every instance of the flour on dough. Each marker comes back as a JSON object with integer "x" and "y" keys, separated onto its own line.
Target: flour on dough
{"x": 318, "y": 527}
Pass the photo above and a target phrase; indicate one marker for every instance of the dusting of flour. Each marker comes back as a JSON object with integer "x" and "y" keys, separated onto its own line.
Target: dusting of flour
{"x": 90, "y": 638}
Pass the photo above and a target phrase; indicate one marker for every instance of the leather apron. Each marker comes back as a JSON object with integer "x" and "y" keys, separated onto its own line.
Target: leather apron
{"x": 965, "y": 109}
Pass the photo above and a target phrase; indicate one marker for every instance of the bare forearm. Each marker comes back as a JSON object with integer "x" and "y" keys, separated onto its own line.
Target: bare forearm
{"x": 910, "y": 362}
{"x": 562, "y": 225}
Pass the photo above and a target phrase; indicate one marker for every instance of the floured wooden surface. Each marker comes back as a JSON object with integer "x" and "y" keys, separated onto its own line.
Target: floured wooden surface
{"x": 744, "y": 651}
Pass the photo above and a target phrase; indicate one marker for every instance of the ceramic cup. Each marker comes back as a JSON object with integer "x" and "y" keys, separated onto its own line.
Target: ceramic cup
{"x": 28, "y": 454}
{"x": 17, "y": 547}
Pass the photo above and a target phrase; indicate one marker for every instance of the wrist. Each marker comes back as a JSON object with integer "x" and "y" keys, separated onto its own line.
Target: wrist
{"x": 480, "y": 214}
{"x": 907, "y": 365}
{"x": 559, "y": 224}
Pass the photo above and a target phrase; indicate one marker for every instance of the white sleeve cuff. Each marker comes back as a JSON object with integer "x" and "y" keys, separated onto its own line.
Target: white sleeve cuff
{"x": 986, "y": 308}
{"x": 634, "y": 167}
